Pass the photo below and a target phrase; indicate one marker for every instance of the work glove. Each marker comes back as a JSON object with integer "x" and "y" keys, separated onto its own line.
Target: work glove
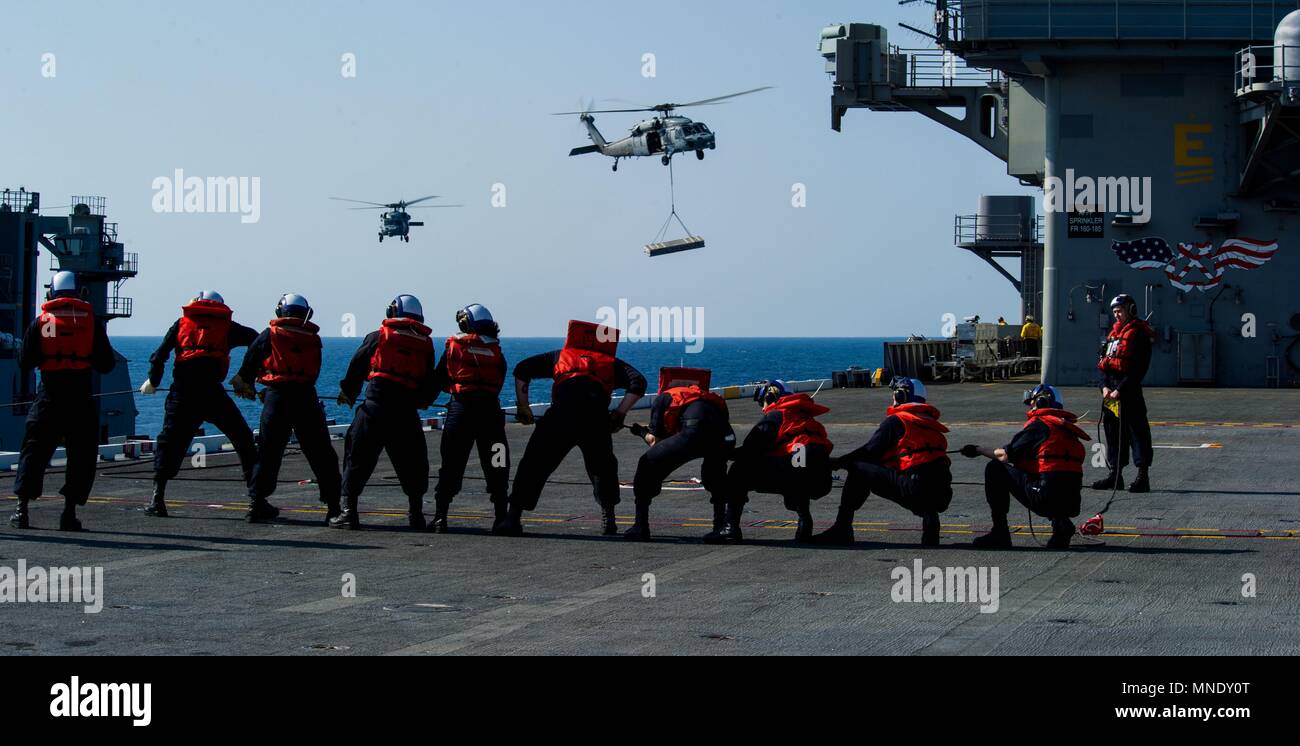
{"x": 616, "y": 419}
{"x": 147, "y": 388}
{"x": 344, "y": 400}
{"x": 970, "y": 451}
{"x": 639, "y": 430}
{"x": 242, "y": 389}
{"x": 524, "y": 415}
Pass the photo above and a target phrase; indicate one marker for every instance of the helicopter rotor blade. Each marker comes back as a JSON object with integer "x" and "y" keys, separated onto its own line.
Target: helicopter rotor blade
{"x": 596, "y": 111}
{"x": 358, "y": 201}
{"x": 408, "y": 203}
{"x": 433, "y": 207}
{"x": 719, "y": 99}
{"x": 376, "y": 207}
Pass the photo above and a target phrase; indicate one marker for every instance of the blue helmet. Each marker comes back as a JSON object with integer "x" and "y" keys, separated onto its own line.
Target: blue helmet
{"x": 64, "y": 285}
{"x": 476, "y": 319}
{"x": 293, "y": 305}
{"x": 406, "y": 307}
{"x": 1044, "y": 396}
{"x": 907, "y": 390}
{"x": 771, "y": 391}
{"x": 211, "y": 295}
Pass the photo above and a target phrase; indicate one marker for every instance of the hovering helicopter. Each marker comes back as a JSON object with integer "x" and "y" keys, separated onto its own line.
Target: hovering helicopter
{"x": 396, "y": 222}
{"x": 665, "y": 135}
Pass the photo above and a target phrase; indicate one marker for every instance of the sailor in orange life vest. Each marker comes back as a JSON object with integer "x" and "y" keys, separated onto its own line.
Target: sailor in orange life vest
{"x": 472, "y": 370}
{"x": 69, "y": 345}
{"x": 904, "y": 462}
{"x": 687, "y": 422}
{"x": 1123, "y": 365}
{"x": 787, "y": 453}
{"x": 1042, "y": 468}
{"x": 286, "y": 359}
{"x": 202, "y": 339}
{"x": 396, "y": 363}
{"x": 586, "y": 373}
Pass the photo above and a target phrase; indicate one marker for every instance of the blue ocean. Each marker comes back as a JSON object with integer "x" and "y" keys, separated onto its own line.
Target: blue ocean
{"x": 733, "y": 360}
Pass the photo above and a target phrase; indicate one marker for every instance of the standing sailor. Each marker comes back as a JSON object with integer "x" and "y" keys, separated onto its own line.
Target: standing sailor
{"x": 202, "y": 339}
{"x": 687, "y": 421}
{"x": 69, "y": 345}
{"x": 787, "y": 453}
{"x": 286, "y": 359}
{"x": 1123, "y": 365}
{"x": 586, "y": 373}
{"x": 904, "y": 462}
{"x": 397, "y": 364}
{"x": 472, "y": 370}
{"x": 1042, "y": 467}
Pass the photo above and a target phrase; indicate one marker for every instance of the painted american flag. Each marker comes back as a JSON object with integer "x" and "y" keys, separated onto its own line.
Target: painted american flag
{"x": 1194, "y": 266}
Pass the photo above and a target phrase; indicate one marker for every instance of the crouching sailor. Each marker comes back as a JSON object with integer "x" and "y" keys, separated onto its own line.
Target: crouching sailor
{"x": 286, "y": 359}
{"x": 202, "y": 339}
{"x": 905, "y": 462}
{"x": 1042, "y": 468}
{"x": 687, "y": 422}
{"x": 397, "y": 364}
{"x": 69, "y": 345}
{"x": 787, "y": 453}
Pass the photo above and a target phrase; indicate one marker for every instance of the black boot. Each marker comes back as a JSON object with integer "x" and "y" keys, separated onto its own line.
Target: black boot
{"x": 259, "y": 510}
{"x": 719, "y": 517}
{"x": 157, "y": 506}
{"x": 1142, "y": 483}
{"x": 1062, "y": 532}
{"x": 729, "y": 532}
{"x": 332, "y": 510}
{"x": 930, "y": 530}
{"x": 68, "y": 521}
{"x": 998, "y": 538}
{"x": 804, "y": 532}
{"x": 840, "y": 534}
{"x": 349, "y": 517}
{"x": 20, "y": 519}
{"x": 439, "y": 523}
{"x": 415, "y": 513}
{"x": 512, "y": 524}
{"x": 640, "y": 530}
{"x": 1114, "y": 480}
{"x": 608, "y": 521}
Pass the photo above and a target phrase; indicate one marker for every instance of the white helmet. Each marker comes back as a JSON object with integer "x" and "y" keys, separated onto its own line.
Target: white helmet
{"x": 292, "y": 304}
{"x": 406, "y": 306}
{"x": 63, "y": 284}
{"x": 476, "y": 318}
{"x": 211, "y": 295}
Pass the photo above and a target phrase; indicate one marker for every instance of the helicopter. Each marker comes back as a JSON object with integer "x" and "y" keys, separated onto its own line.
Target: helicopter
{"x": 664, "y": 135}
{"x": 396, "y": 222}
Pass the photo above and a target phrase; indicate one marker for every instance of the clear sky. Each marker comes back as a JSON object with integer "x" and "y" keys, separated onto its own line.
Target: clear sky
{"x": 452, "y": 98}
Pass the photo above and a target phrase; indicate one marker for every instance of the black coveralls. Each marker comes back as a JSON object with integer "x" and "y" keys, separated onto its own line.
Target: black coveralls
{"x": 289, "y": 408}
{"x": 1050, "y": 495}
{"x": 578, "y": 416}
{"x": 198, "y": 395}
{"x": 922, "y": 489}
{"x": 387, "y": 421}
{"x": 474, "y": 418}
{"x": 705, "y": 433}
{"x": 1136, "y": 433}
{"x": 758, "y": 469}
{"x": 64, "y": 410}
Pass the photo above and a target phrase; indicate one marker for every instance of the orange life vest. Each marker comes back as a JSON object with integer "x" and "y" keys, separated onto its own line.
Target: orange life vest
{"x": 923, "y": 438}
{"x": 680, "y": 398}
{"x": 474, "y": 364}
{"x": 67, "y": 328}
{"x": 798, "y": 426}
{"x": 1118, "y": 357}
{"x": 588, "y": 351}
{"x": 295, "y": 352}
{"x": 670, "y": 378}
{"x": 402, "y": 355}
{"x": 1063, "y": 449}
{"x": 204, "y": 332}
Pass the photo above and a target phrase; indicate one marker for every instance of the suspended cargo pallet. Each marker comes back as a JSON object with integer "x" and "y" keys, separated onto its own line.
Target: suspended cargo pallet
{"x": 674, "y": 246}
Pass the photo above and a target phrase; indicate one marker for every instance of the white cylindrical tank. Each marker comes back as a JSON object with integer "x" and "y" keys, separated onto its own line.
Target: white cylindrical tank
{"x": 1286, "y": 48}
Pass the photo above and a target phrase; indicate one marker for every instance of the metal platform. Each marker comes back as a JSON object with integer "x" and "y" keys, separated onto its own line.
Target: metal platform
{"x": 1167, "y": 581}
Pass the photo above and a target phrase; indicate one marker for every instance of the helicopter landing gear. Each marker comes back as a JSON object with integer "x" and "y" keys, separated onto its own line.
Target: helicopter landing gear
{"x": 381, "y": 238}
{"x": 699, "y": 155}
{"x": 406, "y": 239}
{"x": 666, "y": 159}
{"x": 615, "y": 164}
